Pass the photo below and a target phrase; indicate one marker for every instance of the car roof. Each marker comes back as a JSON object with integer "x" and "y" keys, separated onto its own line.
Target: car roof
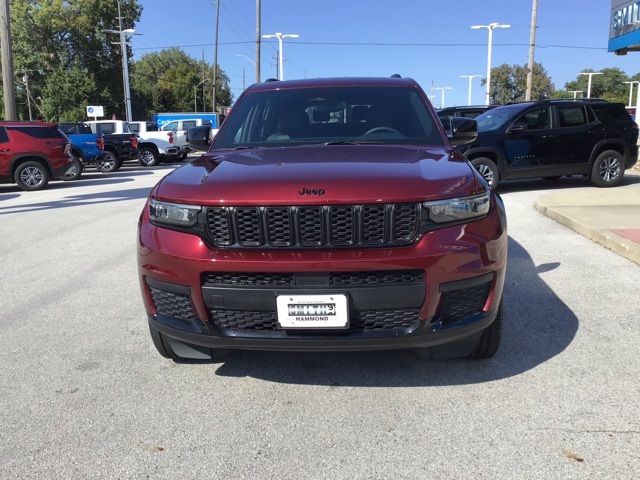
{"x": 25, "y": 124}
{"x": 333, "y": 82}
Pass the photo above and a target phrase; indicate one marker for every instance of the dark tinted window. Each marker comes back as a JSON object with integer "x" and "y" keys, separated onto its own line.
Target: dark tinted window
{"x": 536, "y": 119}
{"x": 3, "y": 135}
{"x": 470, "y": 113}
{"x": 611, "y": 113}
{"x": 394, "y": 115}
{"x": 151, "y": 127}
{"x": 68, "y": 128}
{"x": 105, "y": 128}
{"x": 39, "y": 132}
{"x": 571, "y": 116}
{"x": 188, "y": 124}
{"x": 134, "y": 127}
{"x": 590, "y": 116}
{"x": 498, "y": 117}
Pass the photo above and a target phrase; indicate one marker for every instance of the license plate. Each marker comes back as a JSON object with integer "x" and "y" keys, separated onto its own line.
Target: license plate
{"x": 312, "y": 311}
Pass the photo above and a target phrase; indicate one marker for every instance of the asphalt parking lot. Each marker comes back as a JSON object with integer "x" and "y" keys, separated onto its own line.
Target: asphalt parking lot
{"x": 84, "y": 394}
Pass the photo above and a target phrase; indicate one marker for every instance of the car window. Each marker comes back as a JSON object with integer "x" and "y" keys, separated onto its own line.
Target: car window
{"x": 611, "y": 113}
{"x": 170, "y": 127}
{"x": 322, "y": 114}
{"x": 497, "y": 117}
{"x": 134, "y": 127}
{"x": 125, "y": 127}
{"x": 3, "y": 135}
{"x": 152, "y": 127}
{"x": 536, "y": 119}
{"x": 69, "y": 129}
{"x": 105, "y": 128}
{"x": 571, "y": 116}
{"x": 188, "y": 124}
{"x": 470, "y": 113}
{"x": 39, "y": 132}
{"x": 85, "y": 129}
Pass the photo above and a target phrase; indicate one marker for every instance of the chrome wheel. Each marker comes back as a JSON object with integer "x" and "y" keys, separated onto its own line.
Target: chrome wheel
{"x": 610, "y": 169}
{"x": 147, "y": 158}
{"x": 486, "y": 172}
{"x": 106, "y": 164}
{"x": 32, "y": 177}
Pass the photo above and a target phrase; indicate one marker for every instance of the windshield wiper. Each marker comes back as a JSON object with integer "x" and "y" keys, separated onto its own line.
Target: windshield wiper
{"x": 351, "y": 142}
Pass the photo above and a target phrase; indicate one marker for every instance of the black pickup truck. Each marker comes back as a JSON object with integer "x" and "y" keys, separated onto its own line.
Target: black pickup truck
{"x": 117, "y": 148}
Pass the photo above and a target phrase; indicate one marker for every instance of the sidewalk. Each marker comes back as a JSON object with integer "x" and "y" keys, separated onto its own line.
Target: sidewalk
{"x": 608, "y": 216}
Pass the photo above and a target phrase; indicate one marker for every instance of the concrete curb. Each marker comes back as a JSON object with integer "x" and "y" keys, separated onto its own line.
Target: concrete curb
{"x": 606, "y": 238}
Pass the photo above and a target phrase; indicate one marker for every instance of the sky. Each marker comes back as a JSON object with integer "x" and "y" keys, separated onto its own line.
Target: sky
{"x": 579, "y": 23}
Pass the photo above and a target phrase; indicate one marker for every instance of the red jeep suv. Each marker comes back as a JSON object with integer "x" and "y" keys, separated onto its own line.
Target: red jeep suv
{"x": 32, "y": 153}
{"x": 328, "y": 214}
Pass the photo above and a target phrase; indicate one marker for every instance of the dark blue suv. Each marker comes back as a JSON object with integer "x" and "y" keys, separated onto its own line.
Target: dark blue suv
{"x": 554, "y": 138}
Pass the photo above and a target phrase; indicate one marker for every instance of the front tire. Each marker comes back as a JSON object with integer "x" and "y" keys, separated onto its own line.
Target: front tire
{"x": 488, "y": 169}
{"x": 183, "y": 157}
{"x": 107, "y": 163}
{"x": 31, "y": 176}
{"x": 490, "y": 340}
{"x": 608, "y": 169}
{"x": 76, "y": 172}
{"x": 148, "y": 157}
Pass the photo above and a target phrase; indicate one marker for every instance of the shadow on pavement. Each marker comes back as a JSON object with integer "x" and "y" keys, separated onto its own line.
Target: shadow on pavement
{"x": 8, "y": 196}
{"x": 538, "y": 327}
{"x": 78, "y": 200}
{"x": 562, "y": 183}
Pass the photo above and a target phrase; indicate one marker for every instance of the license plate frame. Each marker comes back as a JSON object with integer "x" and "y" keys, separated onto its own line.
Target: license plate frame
{"x": 287, "y": 304}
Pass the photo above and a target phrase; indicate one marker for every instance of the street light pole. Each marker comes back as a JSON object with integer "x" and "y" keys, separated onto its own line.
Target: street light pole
{"x": 215, "y": 55}
{"x": 470, "y": 77}
{"x": 25, "y": 79}
{"x": 280, "y": 36}
{"x": 575, "y": 93}
{"x": 6, "y": 54}
{"x": 124, "y": 34}
{"x": 490, "y": 28}
{"x": 590, "y": 74}
{"x": 442, "y": 90}
{"x": 258, "y": 38}
{"x": 532, "y": 49}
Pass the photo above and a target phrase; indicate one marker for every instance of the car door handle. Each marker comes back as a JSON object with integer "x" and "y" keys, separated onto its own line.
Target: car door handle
{"x": 548, "y": 136}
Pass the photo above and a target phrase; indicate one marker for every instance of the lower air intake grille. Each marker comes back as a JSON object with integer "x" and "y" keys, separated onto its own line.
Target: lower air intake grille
{"x": 459, "y": 304}
{"x": 172, "y": 305}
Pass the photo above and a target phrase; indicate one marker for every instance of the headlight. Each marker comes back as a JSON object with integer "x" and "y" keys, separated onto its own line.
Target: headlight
{"x": 173, "y": 214}
{"x": 458, "y": 209}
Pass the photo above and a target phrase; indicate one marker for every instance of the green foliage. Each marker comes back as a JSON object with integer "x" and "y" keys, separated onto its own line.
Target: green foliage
{"x": 164, "y": 82}
{"x": 609, "y": 85}
{"x": 509, "y": 83}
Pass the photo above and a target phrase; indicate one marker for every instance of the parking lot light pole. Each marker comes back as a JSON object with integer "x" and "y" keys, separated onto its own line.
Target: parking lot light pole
{"x": 631, "y": 83}
{"x": 124, "y": 35}
{"x": 442, "y": 90}
{"x": 280, "y": 36}
{"x": 490, "y": 28}
{"x": 590, "y": 74}
{"x": 575, "y": 93}
{"x": 470, "y": 77}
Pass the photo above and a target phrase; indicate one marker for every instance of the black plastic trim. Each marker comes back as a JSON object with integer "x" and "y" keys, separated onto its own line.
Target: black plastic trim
{"x": 466, "y": 283}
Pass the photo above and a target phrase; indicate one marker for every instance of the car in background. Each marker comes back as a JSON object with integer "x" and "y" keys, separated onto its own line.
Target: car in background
{"x": 328, "y": 214}
{"x": 32, "y": 153}
{"x": 118, "y": 147}
{"x": 467, "y": 111}
{"x": 156, "y": 145}
{"x": 86, "y": 146}
{"x": 554, "y": 138}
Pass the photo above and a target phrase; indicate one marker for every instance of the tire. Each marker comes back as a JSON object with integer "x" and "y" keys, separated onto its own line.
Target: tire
{"x": 553, "y": 178}
{"x": 163, "y": 346}
{"x": 107, "y": 162}
{"x": 77, "y": 172}
{"x": 608, "y": 169}
{"x": 31, "y": 176}
{"x": 149, "y": 157}
{"x": 490, "y": 340}
{"x": 183, "y": 157}
{"x": 488, "y": 169}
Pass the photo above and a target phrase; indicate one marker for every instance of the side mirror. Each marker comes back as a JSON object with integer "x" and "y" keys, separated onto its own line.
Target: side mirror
{"x": 519, "y": 127}
{"x": 461, "y": 130}
{"x": 199, "y": 138}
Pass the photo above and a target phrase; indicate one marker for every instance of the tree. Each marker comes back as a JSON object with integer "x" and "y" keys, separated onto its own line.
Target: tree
{"x": 70, "y": 60}
{"x": 509, "y": 83}
{"x": 164, "y": 81}
{"x": 609, "y": 85}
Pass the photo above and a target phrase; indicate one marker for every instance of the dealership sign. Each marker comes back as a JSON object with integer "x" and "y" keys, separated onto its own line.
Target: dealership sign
{"x": 625, "y": 16}
{"x": 624, "y": 26}
{"x": 95, "y": 111}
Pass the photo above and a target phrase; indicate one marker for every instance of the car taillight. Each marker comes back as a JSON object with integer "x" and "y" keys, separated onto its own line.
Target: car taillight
{"x": 67, "y": 149}
{"x": 100, "y": 143}
{"x": 134, "y": 141}
{"x": 170, "y": 137}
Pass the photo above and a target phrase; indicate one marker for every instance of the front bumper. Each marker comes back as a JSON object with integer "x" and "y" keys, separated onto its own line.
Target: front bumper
{"x": 452, "y": 259}
{"x": 178, "y": 150}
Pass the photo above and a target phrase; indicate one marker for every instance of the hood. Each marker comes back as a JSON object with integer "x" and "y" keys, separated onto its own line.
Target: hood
{"x": 316, "y": 175}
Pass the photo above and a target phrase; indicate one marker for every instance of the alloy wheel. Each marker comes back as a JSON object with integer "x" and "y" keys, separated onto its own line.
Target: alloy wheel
{"x": 106, "y": 163}
{"x": 32, "y": 177}
{"x": 610, "y": 169}
{"x": 486, "y": 172}
{"x": 147, "y": 157}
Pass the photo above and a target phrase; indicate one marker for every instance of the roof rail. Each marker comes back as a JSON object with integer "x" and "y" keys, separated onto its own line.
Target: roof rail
{"x": 272, "y": 80}
{"x": 396, "y": 75}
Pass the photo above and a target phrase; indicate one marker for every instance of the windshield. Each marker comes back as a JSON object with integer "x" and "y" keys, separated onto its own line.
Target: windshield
{"x": 385, "y": 115}
{"x": 498, "y": 117}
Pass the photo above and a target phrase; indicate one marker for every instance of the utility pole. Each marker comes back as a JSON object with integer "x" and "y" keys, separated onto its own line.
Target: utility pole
{"x": 25, "y": 79}
{"x": 243, "y": 80}
{"x": 590, "y": 74}
{"x": 532, "y": 48}
{"x": 6, "y": 57}
{"x": 280, "y": 36}
{"x": 258, "y": 37}
{"x": 124, "y": 35}
{"x": 215, "y": 55}
{"x": 491, "y": 27}
{"x": 204, "y": 78}
{"x": 470, "y": 77}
